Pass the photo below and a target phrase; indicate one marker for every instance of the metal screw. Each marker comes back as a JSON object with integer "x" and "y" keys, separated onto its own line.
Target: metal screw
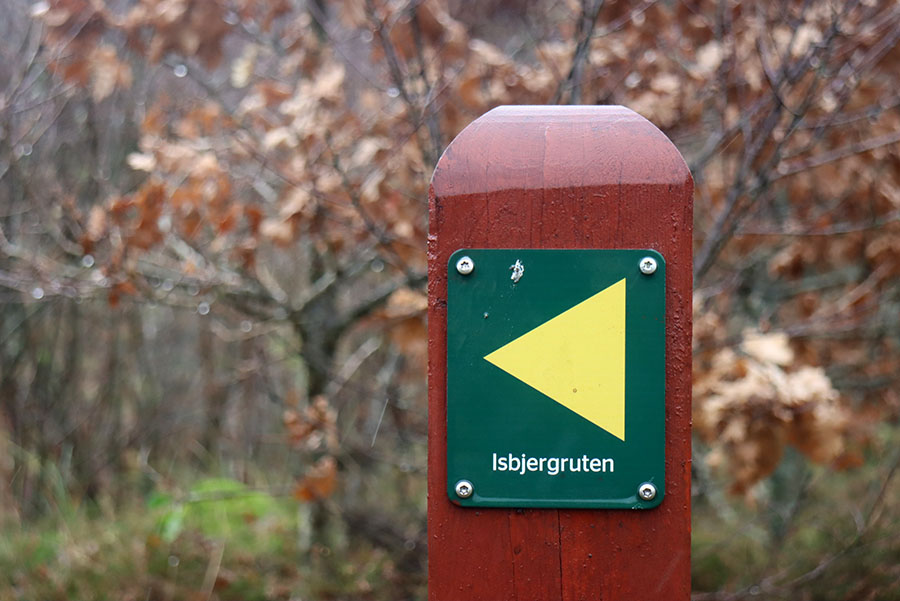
{"x": 647, "y": 265}
{"x": 646, "y": 491}
{"x": 464, "y": 489}
{"x": 465, "y": 265}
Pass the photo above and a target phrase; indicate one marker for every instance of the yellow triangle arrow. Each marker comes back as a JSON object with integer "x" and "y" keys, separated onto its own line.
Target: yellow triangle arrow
{"x": 577, "y": 359}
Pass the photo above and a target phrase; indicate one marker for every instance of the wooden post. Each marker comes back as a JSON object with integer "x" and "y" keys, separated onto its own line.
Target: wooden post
{"x": 581, "y": 177}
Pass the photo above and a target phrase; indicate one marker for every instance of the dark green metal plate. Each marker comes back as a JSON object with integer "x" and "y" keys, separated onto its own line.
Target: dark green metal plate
{"x": 494, "y": 415}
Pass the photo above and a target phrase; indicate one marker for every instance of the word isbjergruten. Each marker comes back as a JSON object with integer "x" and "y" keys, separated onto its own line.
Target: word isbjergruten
{"x": 551, "y": 465}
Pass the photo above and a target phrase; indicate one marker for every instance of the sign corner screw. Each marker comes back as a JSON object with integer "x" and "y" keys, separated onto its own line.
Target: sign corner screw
{"x": 647, "y": 265}
{"x": 465, "y": 265}
{"x": 646, "y": 491}
{"x": 464, "y": 489}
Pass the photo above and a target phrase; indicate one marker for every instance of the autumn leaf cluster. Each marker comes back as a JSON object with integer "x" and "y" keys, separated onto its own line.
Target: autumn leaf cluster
{"x": 268, "y": 131}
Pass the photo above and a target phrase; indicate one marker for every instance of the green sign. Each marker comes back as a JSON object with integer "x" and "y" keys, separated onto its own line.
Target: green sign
{"x": 556, "y": 378}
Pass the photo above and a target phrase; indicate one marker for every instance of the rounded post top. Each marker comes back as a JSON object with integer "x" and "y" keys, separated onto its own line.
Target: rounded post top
{"x": 530, "y": 147}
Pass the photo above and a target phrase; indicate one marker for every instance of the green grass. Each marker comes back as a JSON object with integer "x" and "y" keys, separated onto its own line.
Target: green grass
{"x": 218, "y": 541}
{"x": 814, "y": 533}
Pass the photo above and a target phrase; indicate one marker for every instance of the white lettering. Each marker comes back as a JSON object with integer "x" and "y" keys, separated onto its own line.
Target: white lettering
{"x": 514, "y": 467}
{"x": 551, "y": 466}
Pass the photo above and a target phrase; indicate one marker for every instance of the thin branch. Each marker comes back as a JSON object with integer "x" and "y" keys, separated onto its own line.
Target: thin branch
{"x": 590, "y": 11}
{"x": 796, "y": 166}
{"x": 836, "y": 229}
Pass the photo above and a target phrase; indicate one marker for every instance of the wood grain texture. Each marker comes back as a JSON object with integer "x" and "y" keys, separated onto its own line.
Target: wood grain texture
{"x": 562, "y": 177}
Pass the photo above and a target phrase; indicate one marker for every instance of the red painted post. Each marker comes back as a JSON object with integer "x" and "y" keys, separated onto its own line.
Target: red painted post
{"x": 566, "y": 178}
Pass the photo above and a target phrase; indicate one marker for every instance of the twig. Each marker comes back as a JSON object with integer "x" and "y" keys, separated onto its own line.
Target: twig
{"x": 586, "y": 23}
{"x": 849, "y": 150}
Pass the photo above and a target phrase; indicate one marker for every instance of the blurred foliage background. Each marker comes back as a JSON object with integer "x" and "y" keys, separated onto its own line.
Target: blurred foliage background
{"x": 212, "y": 289}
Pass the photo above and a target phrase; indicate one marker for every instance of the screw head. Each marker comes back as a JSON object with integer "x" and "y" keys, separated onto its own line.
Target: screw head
{"x": 465, "y": 265}
{"x": 464, "y": 489}
{"x": 647, "y": 491}
{"x": 647, "y": 265}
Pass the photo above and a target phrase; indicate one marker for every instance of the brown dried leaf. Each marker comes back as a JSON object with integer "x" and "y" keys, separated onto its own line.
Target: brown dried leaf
{"x": 768, "y": 348}
{"x": 96, "y": 225}
{"x": 107, "y": 72}
{"x": 319, "y": 482}
{"x": 279, "y": 231}
{"x": 140, "y": 161}
{"x": 242, "y": 68}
